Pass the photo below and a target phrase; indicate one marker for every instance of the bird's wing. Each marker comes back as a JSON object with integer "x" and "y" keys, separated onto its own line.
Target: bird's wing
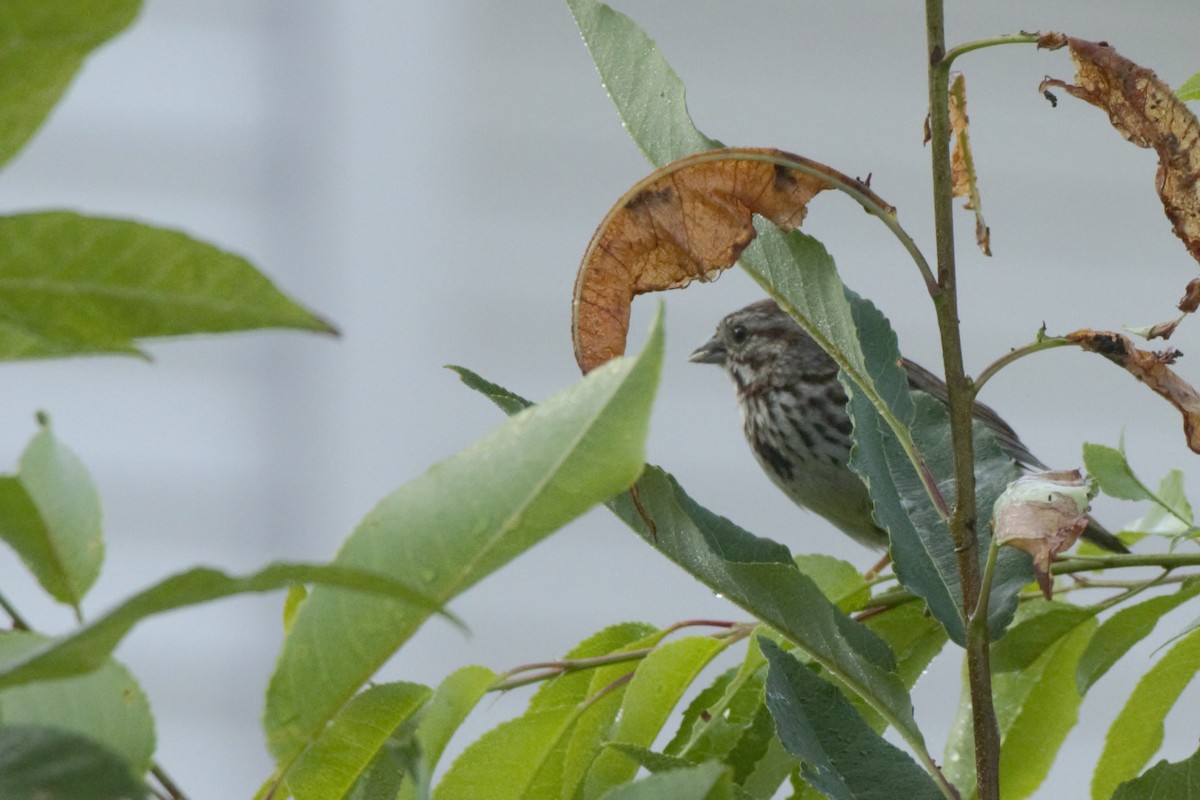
{"x": 923, "y": 380}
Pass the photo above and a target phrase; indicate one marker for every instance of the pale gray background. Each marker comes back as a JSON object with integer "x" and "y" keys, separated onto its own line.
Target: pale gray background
{"x": 428, "y": 175}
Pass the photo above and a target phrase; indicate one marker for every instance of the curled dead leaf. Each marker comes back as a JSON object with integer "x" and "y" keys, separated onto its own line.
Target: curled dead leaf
{"x": 1161, "y": 330}
{"x": 686, "y": 221}
{"x": 1164, "y": 330}
{"x": 1191, "y": 297}
{"x": 1152, "y": 369}
{"x": 1043, "y": 514}
{"x": 1145, "y": 111}
{"x": 962, "y": 163}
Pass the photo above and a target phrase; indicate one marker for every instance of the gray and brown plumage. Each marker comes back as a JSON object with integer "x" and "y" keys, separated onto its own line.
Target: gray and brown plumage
{"x": 795, "y": 419}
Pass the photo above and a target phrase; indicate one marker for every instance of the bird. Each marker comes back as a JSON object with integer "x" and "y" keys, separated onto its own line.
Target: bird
{"x": 795, "y": 419}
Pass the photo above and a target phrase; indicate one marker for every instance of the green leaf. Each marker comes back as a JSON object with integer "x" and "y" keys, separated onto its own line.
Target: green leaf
{"x": 729, "y": 721}
{"x": 1124, "y": 629}
{"x": 1035, "y": 709}
{"x": 718, "y": 717}
{"x": 760, "y": 771}
{"x": 699, "y": 721}
{"x": 1042, "y": 624}
{"x": 647, "y": 93}
{"x": 838, "y": 580}
{"x": 296, "y": 595}
{"x": 921, "y": 546}
{"x": 1164, "y": 781}
{"x": 75, "y": 285}
{"x": 658, "y": 683}
{"x": 88, "y": 647}
{"x": 40, "y": 763}
{"x": 460, "y": 521}
{"x": 505, "y": 762}
{"x": 1137, "y": 732}
{"x": 505, "y": 400}
{"x": 842, "y": 757}
{"x": 345, "y": 749}
{"x": 567, "y": 775}
{"x": 1108, "y": 467}
{"x": 454, "y": 699}
{"x": 1190, "y": 89}
{"x": 42, "y": 46}
{"x": 760, "y": 576}
{"x": 914, "y": 636}
{"x": 50, "y": 514}
{"x": 576, "y": 706}
{"x": 106, "y": 705}
{"x": 701, "y": 782}
{"x": 1171, "y": 513}
{"x": 647, "y": 758}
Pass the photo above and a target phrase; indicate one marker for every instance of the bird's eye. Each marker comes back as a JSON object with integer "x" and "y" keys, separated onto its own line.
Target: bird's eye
{"x": 738, "y": 333}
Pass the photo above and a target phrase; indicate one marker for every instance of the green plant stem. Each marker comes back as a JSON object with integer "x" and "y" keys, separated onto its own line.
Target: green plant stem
{"x": 1131, "y": 591}
{"x": 1036, "y": 346}
{"x": 961, "y": 402}
{"x": 979, "y": 44}
{"x": 1066, "y": 565}
{"x": 1086, "y": 583}
{"x": 18, "y": 622}
{"x": 545, "y": 670}
{"x": 985, "y": 586}
{"x": 172, "y": 789}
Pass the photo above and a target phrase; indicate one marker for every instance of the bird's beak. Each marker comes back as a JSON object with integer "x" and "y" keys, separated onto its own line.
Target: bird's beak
{"x": 711, "y": 352}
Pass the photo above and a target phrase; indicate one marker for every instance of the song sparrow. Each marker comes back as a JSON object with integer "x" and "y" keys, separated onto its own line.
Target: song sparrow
{"x": 795, "y": 419}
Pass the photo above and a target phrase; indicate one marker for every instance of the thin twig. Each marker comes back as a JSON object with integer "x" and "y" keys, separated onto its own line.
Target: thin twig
{"x": 539, "y": 671}
{"x": 1036, "y": 346}
{"x": 979, "y": 44}
{"x": 164, "y": 780}
{"x": 18, "y": 622}
{"x": 1132, "y": 591}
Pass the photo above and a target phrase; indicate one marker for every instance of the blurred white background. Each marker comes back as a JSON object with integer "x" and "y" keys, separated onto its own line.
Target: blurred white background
{"x": 427, "y": 175}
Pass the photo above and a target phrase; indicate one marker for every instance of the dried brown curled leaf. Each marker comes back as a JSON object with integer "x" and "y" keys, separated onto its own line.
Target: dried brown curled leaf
{"x": 1044, "y": 515}
{"x": 1152, "y": 369}
{"x": 1187, "y": 304}
{"x": 1191, "y": 297}
{"x": 962, "y": 163}
{"x": 686, "y": 221}
{"x": 1145, "y": 111}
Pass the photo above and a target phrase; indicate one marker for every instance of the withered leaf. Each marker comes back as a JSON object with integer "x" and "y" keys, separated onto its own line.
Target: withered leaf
{"x": 686, "y": 221}
{"x": 1152, "y": 369}
{"x": 1044, "y": 515}
{"x": 1187, "y": 304}
{"x": 962, "y": 163}
{"x": 1191, "y": 297}
{"x": 1160, "y": 330}
{"x": 1145, "y": 111}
